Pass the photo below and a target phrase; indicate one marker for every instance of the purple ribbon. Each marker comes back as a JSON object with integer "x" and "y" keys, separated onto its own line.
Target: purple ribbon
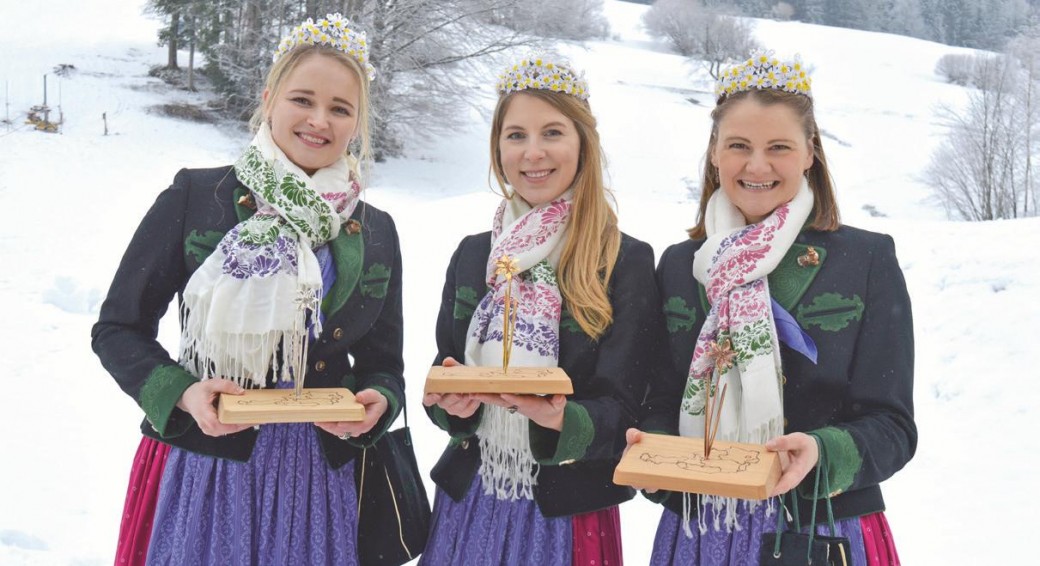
{"x": 788, "y": 331}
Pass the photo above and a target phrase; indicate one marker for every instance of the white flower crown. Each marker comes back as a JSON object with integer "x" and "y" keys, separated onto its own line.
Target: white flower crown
{"x": 540, "y": 72}
{"x": 764, "y": 71}
{"x": 333, "y": 30}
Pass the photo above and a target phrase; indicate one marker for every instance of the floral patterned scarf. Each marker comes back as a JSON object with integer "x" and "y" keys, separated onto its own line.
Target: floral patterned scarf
{"x": 249, "y": 304}
{"x": 738, "y": 342}
{"x": 534, "y": 238}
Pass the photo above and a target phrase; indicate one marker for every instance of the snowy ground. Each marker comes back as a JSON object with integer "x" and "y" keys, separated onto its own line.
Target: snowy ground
{"x": 71, "y": 202}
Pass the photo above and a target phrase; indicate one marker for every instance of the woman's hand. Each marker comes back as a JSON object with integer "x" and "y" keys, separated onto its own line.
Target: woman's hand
{"x": 798, "y": 454}
{"x": 455, "y": 404}
{"x": 634, "y": 436}
{"x": 544, "y": 411}
{"x": 375, "y": 407}
{"x": 199, "y": 400}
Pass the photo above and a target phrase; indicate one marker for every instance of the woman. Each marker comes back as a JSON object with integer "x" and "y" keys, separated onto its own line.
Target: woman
{"x": 807, "y": 320}
{"x": 526, "y": 479}
{"x": 274, "y": 258}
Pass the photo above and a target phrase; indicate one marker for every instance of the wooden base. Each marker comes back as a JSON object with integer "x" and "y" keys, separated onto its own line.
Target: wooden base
{"x": 520, "y": 380}
{"x": 265, "y": 406}
{"x": 675, "y": 463}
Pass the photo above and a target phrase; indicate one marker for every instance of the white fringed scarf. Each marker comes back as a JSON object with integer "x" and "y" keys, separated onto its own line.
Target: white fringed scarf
{"x": 733, "y": 265}
{"x": 256, "y": 293}
{"x": 534, "y": 238}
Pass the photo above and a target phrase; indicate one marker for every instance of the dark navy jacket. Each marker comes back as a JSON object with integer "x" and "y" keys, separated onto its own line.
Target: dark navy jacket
{"x": 609, "y": 378}
{"x": 859, "y": 397}
{"x": 360, "y": 347}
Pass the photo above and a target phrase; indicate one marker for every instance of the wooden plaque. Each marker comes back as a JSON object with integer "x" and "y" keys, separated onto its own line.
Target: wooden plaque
{"x": 519, "y": 380}
{"x": 264, "y": 406}
{"x": 676, "y": 463}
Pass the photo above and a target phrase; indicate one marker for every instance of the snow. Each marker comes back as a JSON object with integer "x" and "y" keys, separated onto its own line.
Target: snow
{"x": 71, "y": 202}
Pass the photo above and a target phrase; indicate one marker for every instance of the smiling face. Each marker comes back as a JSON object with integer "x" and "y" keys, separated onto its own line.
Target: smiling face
{"x": 761, "y": 152}
{"x": 538, "y": 148}
{"x": 314, "y": 112}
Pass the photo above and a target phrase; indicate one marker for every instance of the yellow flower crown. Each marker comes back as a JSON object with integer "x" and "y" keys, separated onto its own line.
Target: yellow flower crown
{"x": 541, "y": 73}
{"x": 763, "y": 71}
{"x": 333, "y": 30}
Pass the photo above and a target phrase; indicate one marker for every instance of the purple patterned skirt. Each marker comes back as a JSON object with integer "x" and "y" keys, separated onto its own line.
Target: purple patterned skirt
{"x": 482, "y": 529}
{"x": 284, "y": 506}
{"x": 739, "y": 547}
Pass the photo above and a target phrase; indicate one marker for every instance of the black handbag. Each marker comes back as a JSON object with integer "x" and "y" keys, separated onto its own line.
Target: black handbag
{"x": 393, "y": 510}
{"x": 795, "y": 548}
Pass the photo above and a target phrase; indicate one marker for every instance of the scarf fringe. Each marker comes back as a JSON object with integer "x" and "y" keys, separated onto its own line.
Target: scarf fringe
{"x": 507, "y": 466}
{"x": 720, "y": 505}
{"x": 247, "y": 358}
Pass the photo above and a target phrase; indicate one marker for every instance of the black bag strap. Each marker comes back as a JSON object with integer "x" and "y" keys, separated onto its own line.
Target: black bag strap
{"x": 821, "y": 464}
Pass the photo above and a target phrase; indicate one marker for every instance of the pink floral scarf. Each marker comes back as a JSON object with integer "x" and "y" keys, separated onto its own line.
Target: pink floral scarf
{"x": 534, "y": 238}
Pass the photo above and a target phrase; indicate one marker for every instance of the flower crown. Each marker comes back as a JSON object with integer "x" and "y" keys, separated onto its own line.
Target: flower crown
{"x": 333, "y": 30}
{"x": 541, "y": 73}
{"x": 763, "y": 71}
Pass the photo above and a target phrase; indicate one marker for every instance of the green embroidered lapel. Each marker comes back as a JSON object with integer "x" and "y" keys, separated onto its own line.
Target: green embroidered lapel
{"x": 789, "y": 281}
{"x": 242, "y": 197}
{"x": 348, "y": 251}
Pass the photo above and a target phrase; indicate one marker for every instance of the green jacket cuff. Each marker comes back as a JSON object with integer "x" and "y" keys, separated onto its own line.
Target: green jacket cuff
{"x": 551, "y": 448}
{"x": 843, "y": 462}
{"x": 458, "y": 428}
{"x": 393, "y": 407}
{"x": 159, "y": 395}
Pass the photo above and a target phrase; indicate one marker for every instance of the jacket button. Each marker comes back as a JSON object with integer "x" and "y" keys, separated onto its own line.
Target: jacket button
{"x": 465, "y": 445}
{"x": 337, "y": 334}
{"x": 565, "y": 462}
{"x": 320, "y": 365}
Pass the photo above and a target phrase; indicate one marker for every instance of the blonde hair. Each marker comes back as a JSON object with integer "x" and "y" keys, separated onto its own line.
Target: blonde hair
{"x": 824, "y": 215}
{"x": 593, "y": 238}
{"x": 287, "y": 63}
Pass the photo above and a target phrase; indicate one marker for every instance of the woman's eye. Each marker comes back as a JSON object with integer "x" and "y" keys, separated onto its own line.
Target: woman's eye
{"x": 514, "y": 136}
{"x": 302, "y": 101}
{"x": 738, "y": 145}
{"x": 553, "y": 133}
{"x": 342, "y": 111}
{"x": 781, "y": 147}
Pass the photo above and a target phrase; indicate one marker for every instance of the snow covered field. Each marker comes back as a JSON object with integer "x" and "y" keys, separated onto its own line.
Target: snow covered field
{"x": 70, "y": 202}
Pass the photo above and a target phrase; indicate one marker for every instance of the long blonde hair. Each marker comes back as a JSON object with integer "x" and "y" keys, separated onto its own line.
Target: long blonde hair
{"x": 824, "y": 215}
{"x": 287, "y": 63}
{"x": 593, "y": 238}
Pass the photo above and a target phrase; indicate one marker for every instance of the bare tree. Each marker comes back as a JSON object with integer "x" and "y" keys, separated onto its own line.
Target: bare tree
{"x": 703, "y": 34}
{"x": 978, "y": 172}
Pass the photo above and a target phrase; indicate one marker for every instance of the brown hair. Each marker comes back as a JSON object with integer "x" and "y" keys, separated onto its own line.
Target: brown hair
{"x": 824, "y": 215}
{"x": 593, "y": 238}
{"x": 287, "y": 63}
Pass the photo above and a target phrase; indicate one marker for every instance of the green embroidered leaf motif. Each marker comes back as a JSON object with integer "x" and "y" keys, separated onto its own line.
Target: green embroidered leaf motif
{"x": 542, "y": 272}
{"x": 679, "y": 315}
{"x": 831, "y": 312}
{"x": 750, "y": 341}
{"x": 376, "y": 281}
{"x": 693, "y": 398}
{"x": 200, "y": 246}
{"x": 465, "y": 302}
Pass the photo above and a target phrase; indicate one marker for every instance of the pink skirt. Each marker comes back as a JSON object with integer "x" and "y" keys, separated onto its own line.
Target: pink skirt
{"x": 597, "y": 538}
{"x": 142, "y": 493}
